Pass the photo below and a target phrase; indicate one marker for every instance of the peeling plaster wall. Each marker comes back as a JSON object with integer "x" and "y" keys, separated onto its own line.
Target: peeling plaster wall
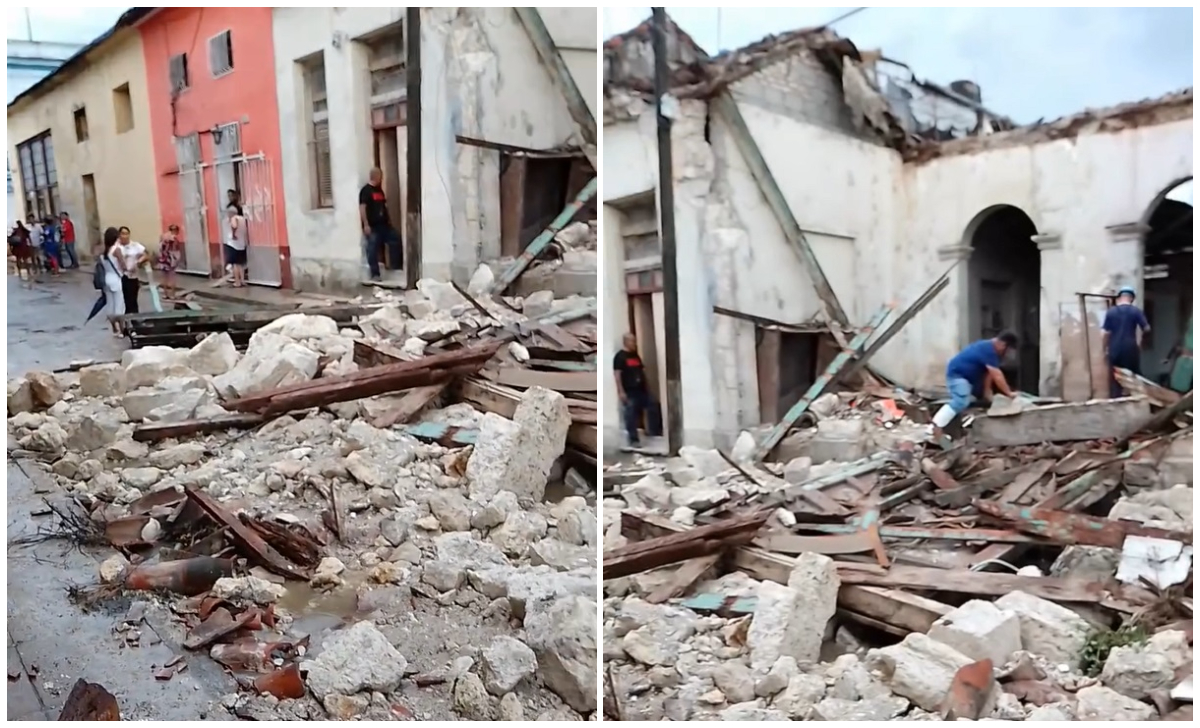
{"x": 883, "y": 232}
{"x": 481, "y": 79}
{"x": 616, "y": 318}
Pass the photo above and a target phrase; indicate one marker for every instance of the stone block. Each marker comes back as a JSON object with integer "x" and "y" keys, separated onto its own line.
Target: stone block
{"x": 562, "y": 633}
{"x": 919, "y": 668}
{"x": 149, "y": 365}
{"x": 139, "y": 402}
{"x": 517, "y": 455}
{"x": 1100, "y": 703}
{"x": 838, "y": 440}
{"x": 354, "y": 659}
{"x": 214, "y": 355}
{"x": 102, "y": 380}
{"x": 1048, "y": 630}
{"x": 272, "y": 360}
{"x": 790, "y": 620}
{"x": 980, "y": 630}
{"x": 504, "y": 663}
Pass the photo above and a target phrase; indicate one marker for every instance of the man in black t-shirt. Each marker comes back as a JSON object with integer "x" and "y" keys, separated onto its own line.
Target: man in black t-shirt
{"x": 633, "y": 393}
{"x": 377, "y": 225}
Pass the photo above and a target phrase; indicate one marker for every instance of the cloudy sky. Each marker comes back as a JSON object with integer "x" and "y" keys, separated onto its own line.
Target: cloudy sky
{"x": 1030, "y": 63}
{"x": 65, "y": 25}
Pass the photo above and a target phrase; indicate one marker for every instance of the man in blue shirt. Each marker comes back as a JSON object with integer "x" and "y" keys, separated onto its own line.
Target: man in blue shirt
{"x": 974, "y": 373}
{"x": 1123, "y": 329}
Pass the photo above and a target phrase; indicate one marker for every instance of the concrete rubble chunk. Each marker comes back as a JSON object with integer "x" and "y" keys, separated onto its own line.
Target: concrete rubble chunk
{"x": 791, "y": 620}
{"x": 355, "y": 659}
{"x": 881, "y": 708}
{"x": 980, "y": 630}
{"x": 802, "y": 693}
{"x": 102, "y": 380}
{"x": 919, "y": 668}
{"x": 149, "y": 365}
{"x": 214, "y": 355}
{"x": 735, "y": 680}
{"x": 92, "y": 433}
{"x": 45, "y": 389}
{"x": 49, "y": 438}
{"x": 141, "y": 478}
{"x": 20, "y": 396}
{"x": 301, "y": 326}
{"x": 272, "y": 360}
{"x": 538, "y": 304}
{"x": 430, "y": 330}
{"x": 388, "y": 321}
{"x": 248, "y": 588}
{"x": 798, "y": 469}
{"x": 481, "y": 281}
{"x": 451, "y": 510}
{"x": 1053, "y": 711}
{"x": 519, "y": 532}
{"x": 471, "y": 699}
{"x": 140, "y": 402}
{"x": 562, "y": 634}
{"x": 185, "y": 453}
{"x": 1135, "y": 671}
{"x": 517, "y": 455}
{"x": 751, "y": 711}
{"x": 1100, "y": 703}
{"x": 1048, "y": 630}
{"x": 504, "y": 663}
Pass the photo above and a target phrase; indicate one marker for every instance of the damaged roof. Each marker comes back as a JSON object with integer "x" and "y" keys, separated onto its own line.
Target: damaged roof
{"x": 881, "y": 99}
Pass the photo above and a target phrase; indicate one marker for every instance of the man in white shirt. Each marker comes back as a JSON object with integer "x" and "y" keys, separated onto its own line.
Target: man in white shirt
{"x": 134, "y": 256}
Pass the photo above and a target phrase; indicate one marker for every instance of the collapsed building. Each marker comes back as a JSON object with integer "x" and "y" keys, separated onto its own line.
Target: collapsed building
{"x": 376, "y": 510}
{"x": 815, "y": 182}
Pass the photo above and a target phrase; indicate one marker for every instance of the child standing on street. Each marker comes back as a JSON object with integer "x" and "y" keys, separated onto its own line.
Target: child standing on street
{"x": 50, "y": 245}
{"x": 170, "y": 255}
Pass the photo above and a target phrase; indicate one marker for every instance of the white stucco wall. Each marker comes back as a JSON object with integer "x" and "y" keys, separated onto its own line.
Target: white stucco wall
{"x": 882, "y": 230}
{"x": 481, "y": 79}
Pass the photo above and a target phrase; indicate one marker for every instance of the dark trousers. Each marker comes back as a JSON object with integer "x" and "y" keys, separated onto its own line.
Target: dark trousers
{"x": 129, "y": 290}
{"x": 637, "y": 404}
{"x": 380, "y": 237}
{"x": 1125, "y": 358}
{"x": 69, "y": 253}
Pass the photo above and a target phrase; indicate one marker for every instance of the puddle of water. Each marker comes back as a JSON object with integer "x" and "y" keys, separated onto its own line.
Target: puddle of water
{"x": 317, "y": 611}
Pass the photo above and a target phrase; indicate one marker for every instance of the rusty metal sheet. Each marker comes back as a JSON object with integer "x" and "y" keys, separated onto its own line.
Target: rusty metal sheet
{"x": 1066, "y": 528}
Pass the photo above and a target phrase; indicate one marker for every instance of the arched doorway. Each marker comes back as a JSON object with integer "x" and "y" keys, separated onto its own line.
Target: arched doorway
{"x": 1167, "y": 288}
{"x": 1004, "y": 289}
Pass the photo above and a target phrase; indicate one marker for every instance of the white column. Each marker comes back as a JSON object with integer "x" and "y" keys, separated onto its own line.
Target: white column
{"x": 1126, "y": 255}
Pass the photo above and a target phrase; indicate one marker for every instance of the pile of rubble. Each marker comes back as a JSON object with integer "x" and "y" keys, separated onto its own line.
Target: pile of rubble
{"x": 877, "y": 577}
{"x": 353, "y": 520}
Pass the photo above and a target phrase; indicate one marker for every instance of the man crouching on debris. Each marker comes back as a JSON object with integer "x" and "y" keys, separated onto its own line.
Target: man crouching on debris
{"x": 974, "y": 373}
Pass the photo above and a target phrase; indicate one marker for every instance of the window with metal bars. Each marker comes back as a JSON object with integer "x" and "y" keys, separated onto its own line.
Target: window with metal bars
{"x": 39, "y": 176}
{"x": 322, "y": 163}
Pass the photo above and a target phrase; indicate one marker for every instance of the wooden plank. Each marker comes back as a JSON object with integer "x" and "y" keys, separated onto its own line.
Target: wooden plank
{"x": 409, "y": 405}
{"x": 1138, "y": 386}
{"x": 1067, "y": 529}
{"x": 843, "y": 543}
{"x": 1025, "y": 480}
{"x": 558, "y": 381}
{"x": 672, "y": 548}
{"x": 1068, "y": 422}
{"x": 154, "y": 433}
{"x": 908, "y": 612}
{"x": 683, "y": 578}
{"x": 538, "y": 244}
{"x": 503, "y": 401}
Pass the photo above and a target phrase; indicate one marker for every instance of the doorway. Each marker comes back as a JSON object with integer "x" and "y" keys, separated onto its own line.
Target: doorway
{"x": 1004, "y": 294}
{"x": 1167, "y": 290}
{"x": 91, "y": 213}
{"x": 390, "y": 153}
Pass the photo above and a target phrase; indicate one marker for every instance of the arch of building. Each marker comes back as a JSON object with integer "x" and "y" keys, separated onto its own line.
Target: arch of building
{"x": 1167, "y": 278}
{"x": 1003, "y": 286}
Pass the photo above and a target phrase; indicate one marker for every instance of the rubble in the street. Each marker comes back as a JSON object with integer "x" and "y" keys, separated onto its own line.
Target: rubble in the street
{"x": 866, "y": 574}
{"x": 383, "y": 514}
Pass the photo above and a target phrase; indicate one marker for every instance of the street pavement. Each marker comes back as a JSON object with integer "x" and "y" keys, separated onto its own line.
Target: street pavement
{"x": 48, "y": 636}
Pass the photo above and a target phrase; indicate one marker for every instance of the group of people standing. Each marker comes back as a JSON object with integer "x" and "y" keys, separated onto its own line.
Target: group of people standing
{"x": 45, "y": 244}
{"x": 117, "y": 274}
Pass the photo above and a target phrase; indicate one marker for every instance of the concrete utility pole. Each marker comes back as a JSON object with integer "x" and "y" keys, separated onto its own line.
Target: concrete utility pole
{"x": 666, "y": 227}
{"x": 412, "y": 109}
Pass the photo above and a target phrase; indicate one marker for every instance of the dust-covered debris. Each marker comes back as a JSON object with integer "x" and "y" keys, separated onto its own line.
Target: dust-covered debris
{"x": 402, "y": 570}
{"x": 885, "y": 578}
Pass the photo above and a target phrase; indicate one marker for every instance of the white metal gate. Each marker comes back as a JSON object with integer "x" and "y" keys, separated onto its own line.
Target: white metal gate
{"x": 195, "y": 211}
{"x": 253, "y": 178}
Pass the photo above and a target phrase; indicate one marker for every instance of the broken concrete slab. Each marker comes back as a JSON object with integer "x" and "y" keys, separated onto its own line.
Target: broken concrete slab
{"x": 919, "y": 668}
{"x": 980, "y": 630}
{"x": 1047, "y": 629}
{"x": 1072, "y": 421}
{"x": 354, "y": 659}
{"x": 102, "y": 380}
{"x": 516, "y": 455}
{"x": 562, "y": 634}
{"x": 214, "y": 355}
{"x": 1100, "y": 703}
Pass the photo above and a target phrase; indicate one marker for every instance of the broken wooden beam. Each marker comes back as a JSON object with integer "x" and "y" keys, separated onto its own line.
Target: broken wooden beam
{"x": 167, "y": 430}
{"x": 374, "y": 380}
{"x": 673, "y": 548}
{"x": 1069, "y": 529}
{"x": 413, "y": 401}
{"x": 1096, "y": 419}
{"x": 584, "y": 381}
{"x": 1138, "y": 386}
{"x": 252, "y": 544}
{"x": 835, "y": 368}
{"x": 490, "y": 397}
{"x": 538, "y": 244}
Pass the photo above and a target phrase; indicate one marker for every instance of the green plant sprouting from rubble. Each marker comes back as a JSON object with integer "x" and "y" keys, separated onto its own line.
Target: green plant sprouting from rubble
{"x": 1099, "y": 644}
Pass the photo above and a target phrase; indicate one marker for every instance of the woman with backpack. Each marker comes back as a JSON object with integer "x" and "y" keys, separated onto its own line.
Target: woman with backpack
{"x": 108, "y": 279}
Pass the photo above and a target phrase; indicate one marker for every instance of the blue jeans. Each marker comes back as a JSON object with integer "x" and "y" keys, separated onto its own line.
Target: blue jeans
{"x": 69, "y": 250}
{"x": 384, "y": 236}
{"x": 637, "y": 403}
{"x": 960, "y": 394}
